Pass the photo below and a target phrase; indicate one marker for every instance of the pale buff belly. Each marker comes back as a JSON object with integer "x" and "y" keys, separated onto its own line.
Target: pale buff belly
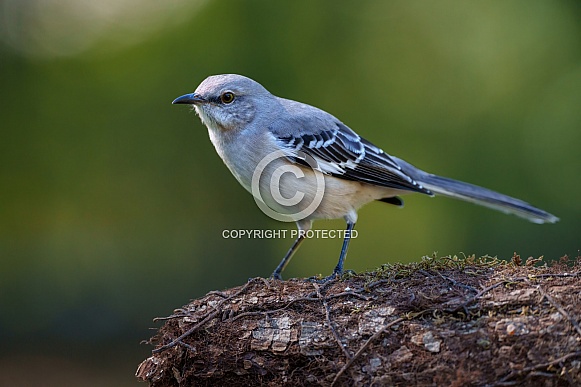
{"x": 336, "y": 198}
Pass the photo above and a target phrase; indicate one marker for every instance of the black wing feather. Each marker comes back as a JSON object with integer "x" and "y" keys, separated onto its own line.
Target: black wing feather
{"x": 343, "y": 154}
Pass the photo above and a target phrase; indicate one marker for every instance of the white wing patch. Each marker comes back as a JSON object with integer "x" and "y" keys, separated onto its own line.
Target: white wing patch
{"x": 343, "y": 153}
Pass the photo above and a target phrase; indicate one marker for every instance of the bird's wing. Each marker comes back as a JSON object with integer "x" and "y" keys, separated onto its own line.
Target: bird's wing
{"x": 338, "y": 150}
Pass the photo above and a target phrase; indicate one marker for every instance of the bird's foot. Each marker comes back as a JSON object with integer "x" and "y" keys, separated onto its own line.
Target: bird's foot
{"x": 276, "y": 276}
{"x": 317, "y": 279}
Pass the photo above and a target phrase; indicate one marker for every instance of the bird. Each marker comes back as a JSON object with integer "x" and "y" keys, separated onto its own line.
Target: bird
{"x": 303, "y": 164}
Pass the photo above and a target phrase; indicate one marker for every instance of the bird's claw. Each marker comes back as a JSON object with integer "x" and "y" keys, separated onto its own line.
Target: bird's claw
{"x": 276, "y": 276}
{"x": 332, "y": 277}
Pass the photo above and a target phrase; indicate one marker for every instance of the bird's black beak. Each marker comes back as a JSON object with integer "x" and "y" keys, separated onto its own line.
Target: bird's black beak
{"x": 190, "y": 99}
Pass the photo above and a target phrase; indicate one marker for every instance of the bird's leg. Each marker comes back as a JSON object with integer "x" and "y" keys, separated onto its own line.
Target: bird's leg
{"x": 288, "y": 256}
{"x": 339, "y": 268}
{"x": 303, "y": 227}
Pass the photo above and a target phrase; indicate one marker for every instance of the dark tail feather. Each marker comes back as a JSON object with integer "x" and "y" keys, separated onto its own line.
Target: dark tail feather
{"x": 478, "y": 195}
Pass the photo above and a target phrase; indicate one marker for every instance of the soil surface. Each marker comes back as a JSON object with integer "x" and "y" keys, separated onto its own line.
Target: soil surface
{"x": 442, "y": 321}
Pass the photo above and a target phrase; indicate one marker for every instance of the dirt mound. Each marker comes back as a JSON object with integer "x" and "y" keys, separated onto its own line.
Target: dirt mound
{"x": 442, "y": 321}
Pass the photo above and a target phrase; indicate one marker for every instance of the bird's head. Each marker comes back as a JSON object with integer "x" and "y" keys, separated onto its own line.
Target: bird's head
{"x": 226, "y": 102}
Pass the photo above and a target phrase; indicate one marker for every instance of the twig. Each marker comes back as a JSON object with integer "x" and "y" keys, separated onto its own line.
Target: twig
{"x": 557, "y": 275}
{"x": 557, "y": 306}
{"x": 191, "y": 348}
{"x": 330, "y": 323}
{"x": 350, "y": 293}
{"x": 457, "y": 283}
{"x": 156, "y": 319}
{"x": 208, "y": 317}
{"x": 477, "y": 296}
{"x": 537, "y": 367}
{"x": 217, "y": 293}
{"x": 307, "y": 298}
{"x": 376, "y": 283}
{"x": 263, "y": 312}
{"x": 505, "y": 281}
{"x": 364, "y": 346}
{"x": 381, "y": 282}
{"x": 187, "y": 333}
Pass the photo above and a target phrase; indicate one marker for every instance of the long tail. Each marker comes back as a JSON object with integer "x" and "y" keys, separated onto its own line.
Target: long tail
{"x": 478, "y": 195}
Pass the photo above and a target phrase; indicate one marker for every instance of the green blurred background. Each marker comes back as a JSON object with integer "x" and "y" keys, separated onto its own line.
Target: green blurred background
{"x": 113, "y": 201}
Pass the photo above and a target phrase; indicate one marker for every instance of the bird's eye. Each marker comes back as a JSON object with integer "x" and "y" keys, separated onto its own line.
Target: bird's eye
{"x": 227, "y": 97}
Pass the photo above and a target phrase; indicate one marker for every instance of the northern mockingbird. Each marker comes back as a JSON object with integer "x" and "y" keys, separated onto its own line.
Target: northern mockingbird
{"x": 261, "y": 137}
